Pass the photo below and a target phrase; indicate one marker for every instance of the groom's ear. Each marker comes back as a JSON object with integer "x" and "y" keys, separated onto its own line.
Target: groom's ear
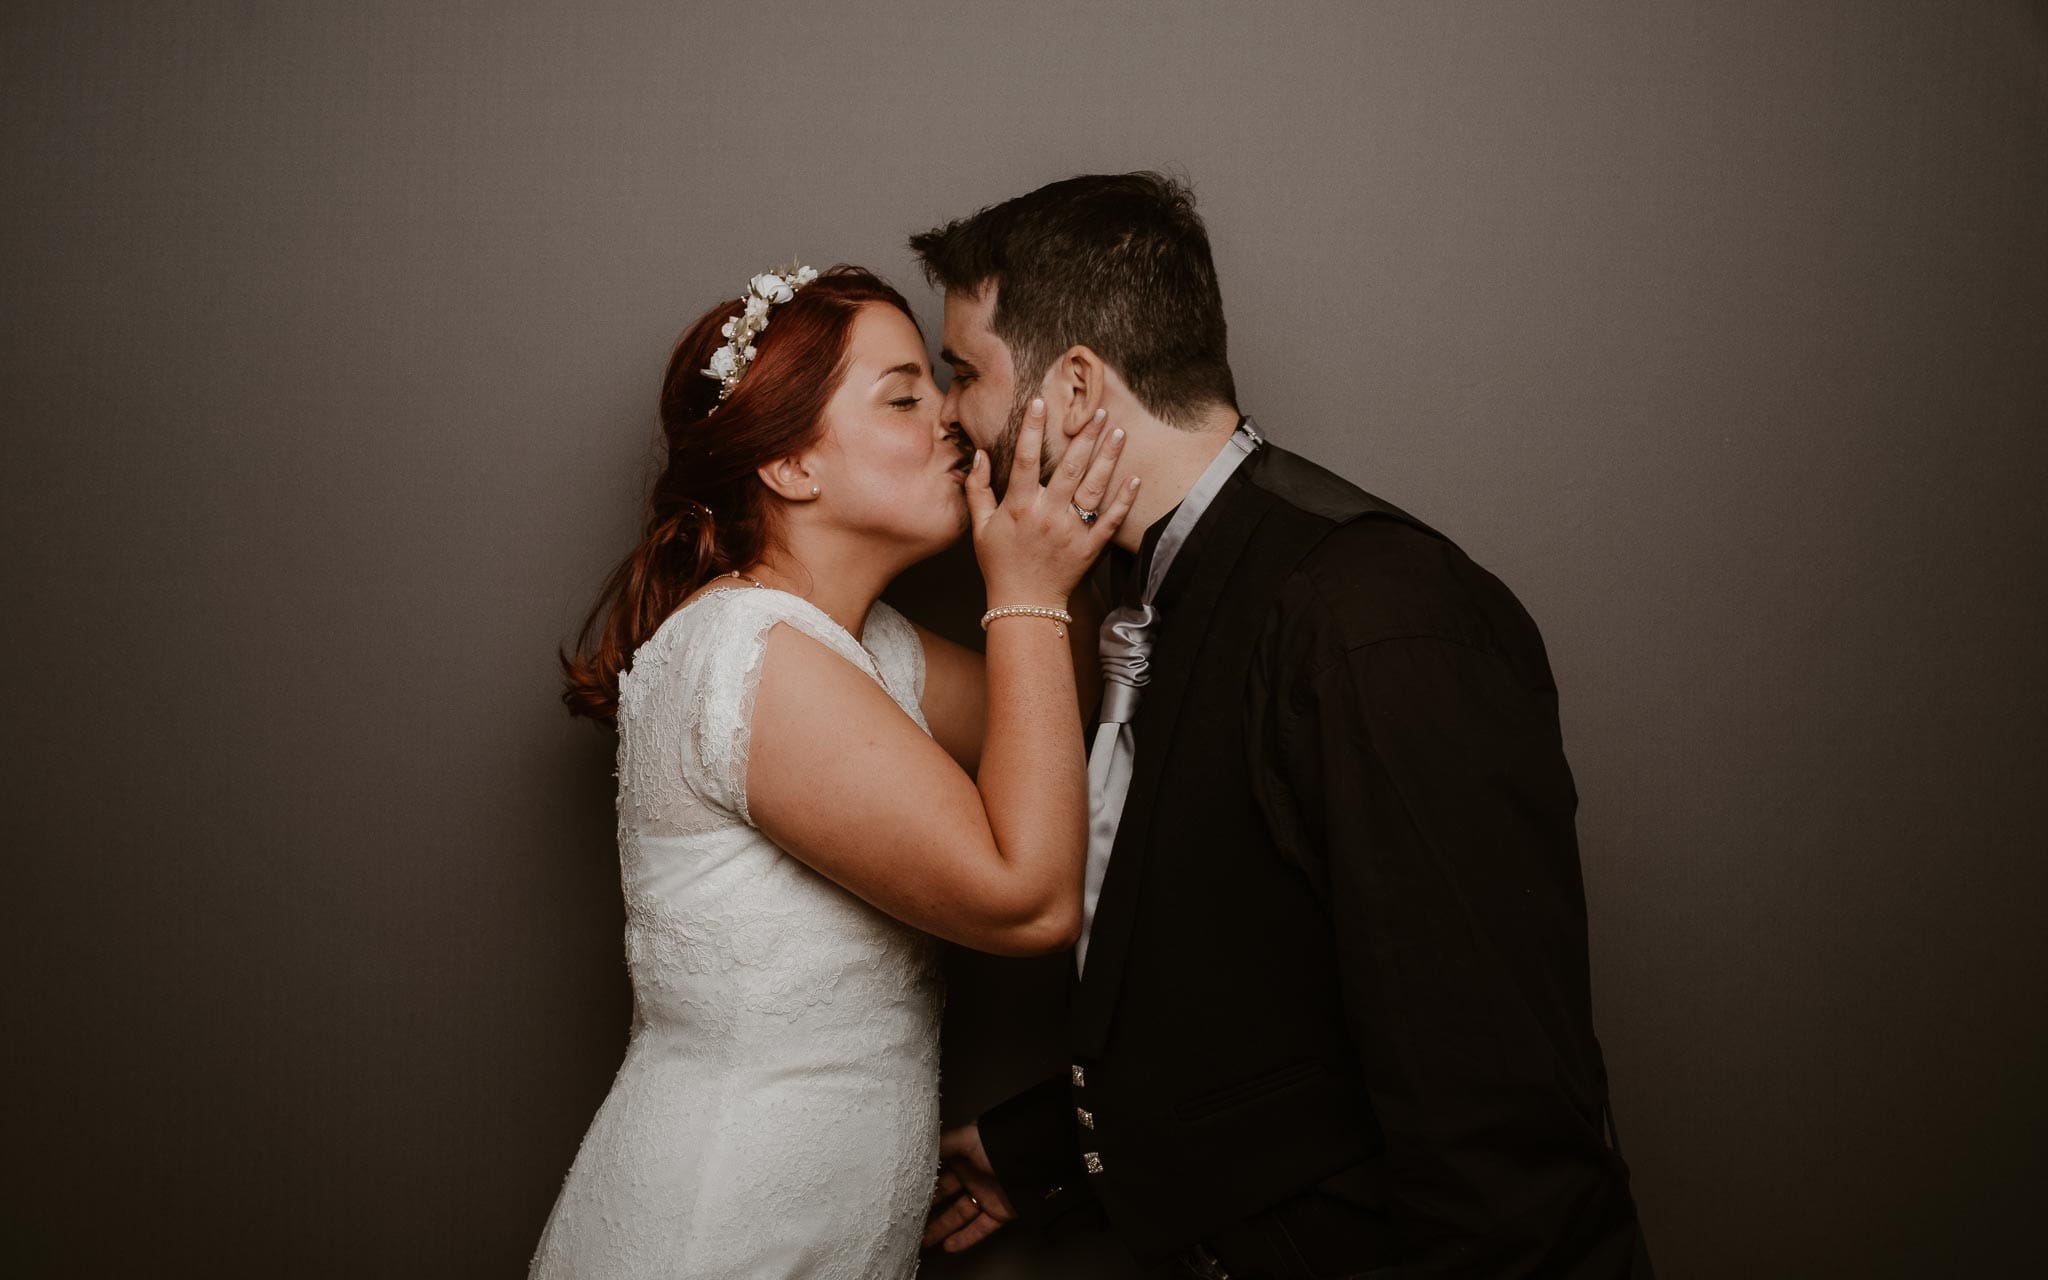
{"x": 1076, "y": 388}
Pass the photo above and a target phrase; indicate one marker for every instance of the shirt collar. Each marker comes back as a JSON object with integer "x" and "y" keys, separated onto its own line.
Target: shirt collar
{"x": 1132, "y": 586}
{"x": 1141, "y": 564}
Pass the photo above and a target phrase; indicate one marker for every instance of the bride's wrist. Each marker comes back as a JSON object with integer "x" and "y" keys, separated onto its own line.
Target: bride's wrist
{"x": 1057, "y": 614}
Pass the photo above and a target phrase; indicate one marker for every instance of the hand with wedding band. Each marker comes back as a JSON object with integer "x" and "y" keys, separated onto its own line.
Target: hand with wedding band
{"x": 1035, "y": 545}
{"x": 968, "y": 1205}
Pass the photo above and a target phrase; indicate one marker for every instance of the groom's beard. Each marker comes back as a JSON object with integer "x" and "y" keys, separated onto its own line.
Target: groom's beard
{"x": 1002, "y": 455}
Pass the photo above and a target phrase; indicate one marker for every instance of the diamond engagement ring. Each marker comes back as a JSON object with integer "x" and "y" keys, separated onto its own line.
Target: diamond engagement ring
{"x": 1087, "y": 517}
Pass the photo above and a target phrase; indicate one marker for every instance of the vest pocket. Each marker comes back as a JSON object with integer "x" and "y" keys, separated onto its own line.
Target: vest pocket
{"x": 1208, "y": 1104}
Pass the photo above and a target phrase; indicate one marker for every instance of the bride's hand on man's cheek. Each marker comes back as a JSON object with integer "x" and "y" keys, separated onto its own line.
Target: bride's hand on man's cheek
{"x": 1036, "y": 543}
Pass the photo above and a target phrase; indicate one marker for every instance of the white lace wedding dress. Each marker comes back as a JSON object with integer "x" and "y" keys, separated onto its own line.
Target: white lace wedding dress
{"x": 777, "y": 1111}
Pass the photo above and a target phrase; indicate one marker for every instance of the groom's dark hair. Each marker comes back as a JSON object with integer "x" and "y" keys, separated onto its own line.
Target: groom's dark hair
{"x": 1118, "y": 263}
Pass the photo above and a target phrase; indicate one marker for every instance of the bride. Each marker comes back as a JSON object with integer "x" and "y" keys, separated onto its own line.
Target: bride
{"x": 811, "y": 788}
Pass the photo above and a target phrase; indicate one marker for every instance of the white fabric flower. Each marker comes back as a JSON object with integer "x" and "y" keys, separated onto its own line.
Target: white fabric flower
{"x": 769, "y": 288}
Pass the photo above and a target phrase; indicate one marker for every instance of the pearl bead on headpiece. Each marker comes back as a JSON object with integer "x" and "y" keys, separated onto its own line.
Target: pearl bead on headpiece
{"x": 730, "y": 361}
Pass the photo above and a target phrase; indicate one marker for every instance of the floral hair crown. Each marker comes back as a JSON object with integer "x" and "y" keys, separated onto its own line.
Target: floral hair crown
{"x": 763, "y": 291}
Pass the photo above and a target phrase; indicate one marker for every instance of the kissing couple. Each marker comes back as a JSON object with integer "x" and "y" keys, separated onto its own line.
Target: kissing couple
{"x": 1277, "y": 762}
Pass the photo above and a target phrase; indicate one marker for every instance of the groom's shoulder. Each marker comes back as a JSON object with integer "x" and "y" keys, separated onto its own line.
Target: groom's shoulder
{"x": 1374, "y": 570}
{"x": 1317, "y": 491}
{"x": 1345, "y": 524}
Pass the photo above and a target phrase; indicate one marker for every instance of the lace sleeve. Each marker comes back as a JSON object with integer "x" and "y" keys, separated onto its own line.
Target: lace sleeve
{"x": 894, "y": 642}
{"x": 715, "y": 675}
{"x": 724, "y": 670}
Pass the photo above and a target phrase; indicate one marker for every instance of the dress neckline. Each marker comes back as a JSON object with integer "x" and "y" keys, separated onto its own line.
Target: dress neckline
{"x": 874, "y": 660}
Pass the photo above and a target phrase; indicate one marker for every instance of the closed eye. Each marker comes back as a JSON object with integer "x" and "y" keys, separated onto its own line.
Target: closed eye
{"x": 906, "y": 402}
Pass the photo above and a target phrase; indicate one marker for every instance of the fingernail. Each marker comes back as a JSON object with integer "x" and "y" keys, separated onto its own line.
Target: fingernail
{"x": 1135, "y": 482}
{"x": 1117, "y": 434}
{"x": 1100, "y": 414}
{"x": 1037, "y": 407}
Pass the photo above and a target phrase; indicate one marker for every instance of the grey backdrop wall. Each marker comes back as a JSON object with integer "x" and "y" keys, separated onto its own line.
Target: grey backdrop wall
{"x": 331, "y": 335}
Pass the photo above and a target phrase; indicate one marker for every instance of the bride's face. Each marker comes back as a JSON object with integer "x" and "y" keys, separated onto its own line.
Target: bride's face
{"x": 887, "y": 464}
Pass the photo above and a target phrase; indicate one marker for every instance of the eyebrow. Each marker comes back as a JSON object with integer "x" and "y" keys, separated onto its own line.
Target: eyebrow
{"x": 910, "y": 367}
{"x": 950, "y": 357}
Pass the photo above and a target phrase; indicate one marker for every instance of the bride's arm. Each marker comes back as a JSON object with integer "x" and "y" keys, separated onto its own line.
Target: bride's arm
{"x": 838, "y": 776}
{"x": 955, "y": 702}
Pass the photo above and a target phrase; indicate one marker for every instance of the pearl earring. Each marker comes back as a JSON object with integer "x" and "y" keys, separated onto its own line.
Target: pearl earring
{"x": 814, "y": 491}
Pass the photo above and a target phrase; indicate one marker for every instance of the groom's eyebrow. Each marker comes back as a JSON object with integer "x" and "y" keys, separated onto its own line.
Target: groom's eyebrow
{"x": 950, "y": 358}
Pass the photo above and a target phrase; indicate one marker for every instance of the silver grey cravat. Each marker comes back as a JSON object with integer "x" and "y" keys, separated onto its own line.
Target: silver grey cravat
{"x": 1126, "y": 654}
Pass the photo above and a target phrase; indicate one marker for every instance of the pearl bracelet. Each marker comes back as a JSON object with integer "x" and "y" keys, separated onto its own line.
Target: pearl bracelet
{"x": 1060, "y": 616}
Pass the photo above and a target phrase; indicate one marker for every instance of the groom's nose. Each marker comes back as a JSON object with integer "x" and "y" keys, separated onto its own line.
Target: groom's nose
{"x": 949, "y": 414}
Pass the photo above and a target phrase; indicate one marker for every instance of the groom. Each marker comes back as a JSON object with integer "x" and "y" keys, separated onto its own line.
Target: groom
{"x": 1332, "y": 1013}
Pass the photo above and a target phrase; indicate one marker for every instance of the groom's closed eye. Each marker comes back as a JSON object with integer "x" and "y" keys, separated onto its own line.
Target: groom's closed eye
{"x": 961, "y": 369}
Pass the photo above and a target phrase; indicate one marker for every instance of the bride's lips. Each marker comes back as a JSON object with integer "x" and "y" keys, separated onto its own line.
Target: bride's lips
{"x": 958, "y": 471}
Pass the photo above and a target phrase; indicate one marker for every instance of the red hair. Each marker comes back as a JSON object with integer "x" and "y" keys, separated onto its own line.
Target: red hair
{"x": 709, "y": 513}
